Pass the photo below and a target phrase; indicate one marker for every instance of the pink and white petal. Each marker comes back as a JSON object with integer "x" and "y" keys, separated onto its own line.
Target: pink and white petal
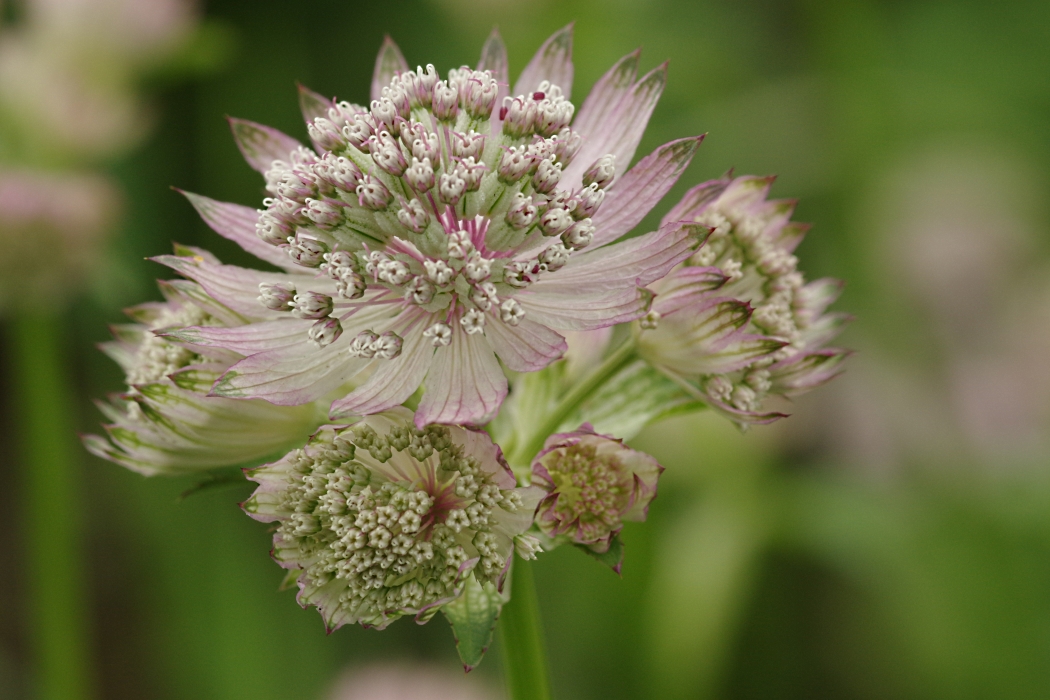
{"x": 261, "y": 145}
{"x": 494, "y": 60}
{"x": 561, "y": 311}
{"x": 527, "y": 347}
{"x": 238, "y": 287}
{"x": 312, "y": 104}
{"x": 634, "y": 195}
{"x": 635, "y": 262}
{"x": 790, "y": 235}
{"x": 465, "y": 384}
{"x": 291, "y": 375}
{"x": 814, "y": 298}
{"x": 553, "y": 62}
{"x": 696, "y": 200}
{"x": 824, "y": 330}
{"x": 746, "y": 192}
{"x": 246, "y": 340}
{"x": 604, "y": 101}
{"x": 745, "y": 417}
{"x": 621, "y": 135}
{"x": 237, "y": 223}
{"x": 393, "y": 382}
{"x": 686, "y": 286}
{"x": 806, "y": 371}
{"x": 389, "y": 63}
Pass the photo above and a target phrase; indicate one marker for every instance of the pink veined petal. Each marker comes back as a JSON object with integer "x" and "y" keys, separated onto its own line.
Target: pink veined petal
{"x": 248, "y": 339}
{"x": 465, "y": 384}
{"x": 237, "y": 223}
{"x": 494, "y": 60}
{"x": 261, "y": 145}
{"x": 566, "y": 311}
{"x": 238, "y": 287}
{"x": 389, "y": 63}
{"x": 806, "y": 371}
{"x": 791, "y": 235}
{"x": 527, "y": 347}
{"x": 817, "y": 296}
{"x": 393, "y": 381}
{"x": 635, "y": 262}
{"x": 553, "y": 62}
{"x": 695, "y": 200}
{"x": 708, "y": 338}
{"x": 748, "y": 417}
{"x": 312, "y": 104}
{"x": 291, "y": 375}
{"x": 825, "y": 329}
{"x": 632, "y": 197}
{"x": 746, "y": 191}
{"x": 621, "y": 132}
{"x": 605, "y": 98}
{"x": 686, "y": 286}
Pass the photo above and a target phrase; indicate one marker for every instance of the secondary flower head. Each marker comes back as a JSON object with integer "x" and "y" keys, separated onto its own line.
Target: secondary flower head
{"x": 385, "y": 519}
{"x": 593, "y": 483}
{"x": 450, "y": 222}
{"x": 165, "y": 423}
{"x": 738, "y": 322}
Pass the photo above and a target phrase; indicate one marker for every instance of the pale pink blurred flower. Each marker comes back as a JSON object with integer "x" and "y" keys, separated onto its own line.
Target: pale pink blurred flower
{"x": 408, "y": 682}
{"x": 458, "y": 224}
{"x": 51, "y": 228}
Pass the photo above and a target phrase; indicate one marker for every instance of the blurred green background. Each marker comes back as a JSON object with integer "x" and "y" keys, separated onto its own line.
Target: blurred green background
{"x": 889, "y": 540}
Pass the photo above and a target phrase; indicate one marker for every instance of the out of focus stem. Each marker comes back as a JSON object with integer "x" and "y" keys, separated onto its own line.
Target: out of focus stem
{"x": 54, "y": 577}
{"x": 521, "y": 638}
{"x": 579, "y": 393}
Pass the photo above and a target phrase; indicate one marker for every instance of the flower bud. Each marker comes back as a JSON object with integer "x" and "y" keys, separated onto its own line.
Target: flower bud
{"x": 580, "y": 235}
{"x": 602, "y": 172}
{"x": 548, "y": 173}
{"x": 311, "y": 305}
{"x": 514, "y": 164}
{"x": 593, "y": 483}
{"x": 325, "y": 332}
{"x": 522, "y": 212}
{"x": 276, "y": 297}
{"x": 373, "y": 194}
{"x": 588, "y": 201}
{"x": 555, "y": 222}
{"x": 420, "y": 175}
{"x": 306, "y": 251}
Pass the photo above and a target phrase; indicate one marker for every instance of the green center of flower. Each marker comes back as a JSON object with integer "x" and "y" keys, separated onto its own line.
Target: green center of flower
{"x": 592, "y": 488}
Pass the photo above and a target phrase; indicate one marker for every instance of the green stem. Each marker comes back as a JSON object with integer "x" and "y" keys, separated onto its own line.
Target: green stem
{"x": 579, "y": 393}
{"x": 54, "y": 576}
{"x": 521, "y": 636}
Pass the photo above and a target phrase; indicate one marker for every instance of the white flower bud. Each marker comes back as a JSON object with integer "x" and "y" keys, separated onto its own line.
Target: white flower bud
{"x": 276, "y": 297}
{"x": 511, "y": 313}
{"x": 325, "y": 332}
{"x": 602, "y": 172}
{"x": 438, "y": 334}
{"x": 311, "y": 305}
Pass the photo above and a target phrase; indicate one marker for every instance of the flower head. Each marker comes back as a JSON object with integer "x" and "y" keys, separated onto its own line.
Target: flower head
{"x": 593, "y": 483}
{"x": 738, "y": 322}
{"x": 447, "y": 224}
{"x": 385, "y": 519}
{"x": 165, "y": 423}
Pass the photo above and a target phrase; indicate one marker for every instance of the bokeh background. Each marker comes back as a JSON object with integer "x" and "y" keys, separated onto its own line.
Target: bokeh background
{"x": 889, "y": 540}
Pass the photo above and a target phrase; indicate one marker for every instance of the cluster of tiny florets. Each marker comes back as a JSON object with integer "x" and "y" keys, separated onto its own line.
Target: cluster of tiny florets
{"x": 416, "y": 202}
{"x": 593, "y": 490}
{"x": 398, "y": 545}
{"x": 767, "y": 277}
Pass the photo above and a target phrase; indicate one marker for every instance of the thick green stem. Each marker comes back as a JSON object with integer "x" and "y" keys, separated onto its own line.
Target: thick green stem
{"x": 579, "y": 393}
{"x": 53, "y": 574}
{"x": 521, "y": 636}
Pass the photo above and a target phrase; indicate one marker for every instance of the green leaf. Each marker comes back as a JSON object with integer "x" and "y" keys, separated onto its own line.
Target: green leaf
{"x": 473, "y": 617}
{"x": 633, "y": 398}
{"x": 612, "y": 557}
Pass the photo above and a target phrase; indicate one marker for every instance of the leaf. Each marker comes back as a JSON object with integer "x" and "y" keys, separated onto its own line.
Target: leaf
{"x": 633, "y": 398}
{"x": 612, "y": 557}
{"x": 473, "y": 617}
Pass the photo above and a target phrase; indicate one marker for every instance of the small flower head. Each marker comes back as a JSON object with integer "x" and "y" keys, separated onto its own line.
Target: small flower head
{"x": 738, "y": 322}
{"x": 385, "y": 519}
{"x": 593, "y": 483}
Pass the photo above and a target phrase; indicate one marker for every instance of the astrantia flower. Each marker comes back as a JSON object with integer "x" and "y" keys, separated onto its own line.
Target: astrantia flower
{"x": 165, "y": 423}
{"x": 738, "y": 322}
{"x": 593, "y": 483}
{"x": 385, "y": 519}
{"x": 449, "y": 224}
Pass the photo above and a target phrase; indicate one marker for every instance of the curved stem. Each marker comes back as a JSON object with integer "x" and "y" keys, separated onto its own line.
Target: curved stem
{"x": 521, "y": 637}
{"x": 579, "y": 393}
{"x": 54, "y": 573}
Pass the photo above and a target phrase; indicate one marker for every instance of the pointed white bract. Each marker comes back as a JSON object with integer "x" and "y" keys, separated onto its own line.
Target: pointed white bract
{"x": 384, "y": 519}
{"x": 452, "y": 223}
{"x": 738, "y": 323}
{"x": 165, "y": 423}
